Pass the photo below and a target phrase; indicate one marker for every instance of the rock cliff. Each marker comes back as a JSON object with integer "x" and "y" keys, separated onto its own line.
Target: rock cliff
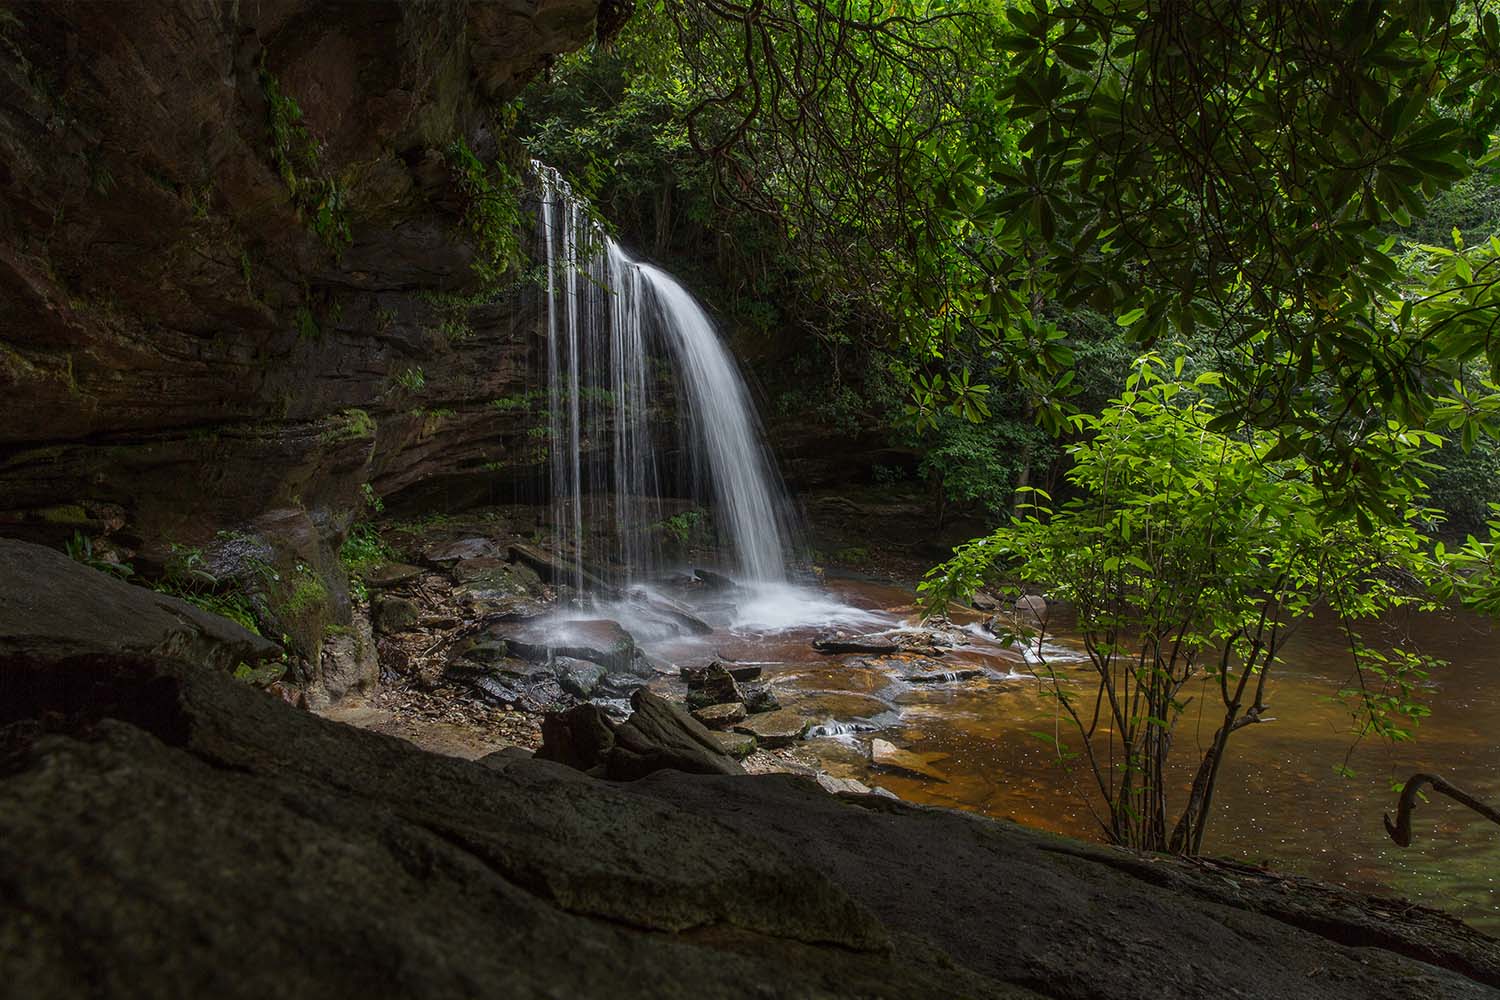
{"x": 238, "y": 299}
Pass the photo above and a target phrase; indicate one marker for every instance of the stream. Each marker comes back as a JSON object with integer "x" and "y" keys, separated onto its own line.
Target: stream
{"x": 1280, "y": 803}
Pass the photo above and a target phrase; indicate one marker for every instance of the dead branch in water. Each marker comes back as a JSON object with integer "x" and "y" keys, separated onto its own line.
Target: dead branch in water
{"x": 1400, "y": 831}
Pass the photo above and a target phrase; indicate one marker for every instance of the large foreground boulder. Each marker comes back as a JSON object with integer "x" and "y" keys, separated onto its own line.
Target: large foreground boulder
{"x": 192, "y": 836}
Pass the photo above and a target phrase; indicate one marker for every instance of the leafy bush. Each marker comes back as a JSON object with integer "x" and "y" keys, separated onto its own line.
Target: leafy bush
{"x": 1187, "y": 554}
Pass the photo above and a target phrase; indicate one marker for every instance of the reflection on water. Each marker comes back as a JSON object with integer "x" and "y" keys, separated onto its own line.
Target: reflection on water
{"x": 1280, "y": 800}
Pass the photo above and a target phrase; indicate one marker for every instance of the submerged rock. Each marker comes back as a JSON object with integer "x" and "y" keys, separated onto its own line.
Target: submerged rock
{"x": 885, "y": 754}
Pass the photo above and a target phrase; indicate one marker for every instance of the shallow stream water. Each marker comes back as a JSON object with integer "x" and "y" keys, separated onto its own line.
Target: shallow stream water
{"x": 1281, "y": 801}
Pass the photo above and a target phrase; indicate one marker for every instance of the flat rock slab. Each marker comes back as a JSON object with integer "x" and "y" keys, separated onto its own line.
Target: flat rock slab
{"x": 886, "y": 754}
{"x": 446, "y": 554}
{"x": 839, "y": 642}
{"x": 774, "y": 729}
{"x": 721, "y": 716}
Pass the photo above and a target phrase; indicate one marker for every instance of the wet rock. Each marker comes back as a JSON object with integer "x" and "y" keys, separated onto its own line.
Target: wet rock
{"x": 391, "y": 574}
{"x": 742, "y": 672}
{"x": 395, "y": 614}
{"x": 490, "y": 575}
{"x": 843, "y": 642}
{"x": 694, "y": 676}
{"x": 53, "y": 607}
{"x": 598, "y": 640}
{"x": 720, "y": 716}
{"x": 761, "y": 699}
{"x": 935, "y": 673}
{"x": 714, "y": 686}
{"x": 671, "y": 611}
{"x": 579, "y": 678}
{"x": 885, "y": 754}
{"x": 658, "y": 735}
{"x": 489, "y": 651}
{"x": 305, "y": 858}
{"x": 556, "y": 571}
{"x": 774, "y": 729}
{"x": 715, "y": 581}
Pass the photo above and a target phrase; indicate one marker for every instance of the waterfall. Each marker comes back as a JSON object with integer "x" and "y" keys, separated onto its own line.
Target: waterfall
{"x": 610, "y": 319}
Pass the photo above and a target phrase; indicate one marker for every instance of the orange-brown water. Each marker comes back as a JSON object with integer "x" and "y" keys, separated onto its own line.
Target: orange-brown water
{"x": 1280, "y": 800}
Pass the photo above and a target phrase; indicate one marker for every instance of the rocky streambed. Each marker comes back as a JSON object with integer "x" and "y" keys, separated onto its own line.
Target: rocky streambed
{"x": 480, "y": 638}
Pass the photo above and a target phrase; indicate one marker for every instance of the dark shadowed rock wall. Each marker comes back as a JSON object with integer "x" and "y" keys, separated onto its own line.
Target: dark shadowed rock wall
{"x": 185, "y": 358}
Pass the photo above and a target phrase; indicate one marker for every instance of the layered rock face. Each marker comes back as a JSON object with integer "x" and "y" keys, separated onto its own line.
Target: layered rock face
{"x": 236, "y": 298}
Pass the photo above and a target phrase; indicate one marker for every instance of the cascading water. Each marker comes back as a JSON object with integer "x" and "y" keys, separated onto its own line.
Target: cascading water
{"x": 608, "y": 317}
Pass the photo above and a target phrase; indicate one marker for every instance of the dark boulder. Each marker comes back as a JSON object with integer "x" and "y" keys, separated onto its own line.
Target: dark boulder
{"x": 52, "y": 607}
{"x": 395, "y": 614}
{"x": 714, "y": 686}
{"x": 658, "y": 735}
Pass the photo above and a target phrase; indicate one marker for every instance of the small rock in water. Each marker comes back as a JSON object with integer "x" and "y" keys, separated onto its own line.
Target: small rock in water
{"x": 941, "y": 676}
{"x": 885, "y": 754}
{"x": 720, "y": 716}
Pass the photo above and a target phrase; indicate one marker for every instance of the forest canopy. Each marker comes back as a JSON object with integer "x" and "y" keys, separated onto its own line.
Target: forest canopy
{"x": 961, "y": 185}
